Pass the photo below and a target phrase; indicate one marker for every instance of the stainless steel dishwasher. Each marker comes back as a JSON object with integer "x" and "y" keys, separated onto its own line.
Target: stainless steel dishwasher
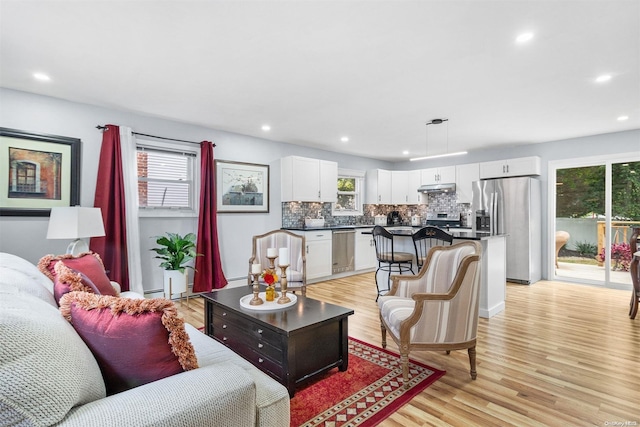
{"x": 343, "y": 249}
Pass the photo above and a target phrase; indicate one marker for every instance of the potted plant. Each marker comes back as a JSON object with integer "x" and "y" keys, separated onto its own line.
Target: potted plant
{"x": 175, "y": 251}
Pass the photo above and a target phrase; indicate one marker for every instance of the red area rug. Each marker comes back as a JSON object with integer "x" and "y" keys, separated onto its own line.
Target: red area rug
{"x": 369, "y": 391}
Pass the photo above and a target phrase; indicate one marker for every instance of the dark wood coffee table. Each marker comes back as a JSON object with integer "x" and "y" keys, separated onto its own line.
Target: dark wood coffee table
{"x": 291, "y": 344}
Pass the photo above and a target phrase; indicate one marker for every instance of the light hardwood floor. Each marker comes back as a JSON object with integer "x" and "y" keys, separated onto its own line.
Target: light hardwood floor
{"x": 560, "y": 355}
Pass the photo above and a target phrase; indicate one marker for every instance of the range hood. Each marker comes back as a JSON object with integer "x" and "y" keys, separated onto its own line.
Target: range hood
{"x": 437, "y": 188}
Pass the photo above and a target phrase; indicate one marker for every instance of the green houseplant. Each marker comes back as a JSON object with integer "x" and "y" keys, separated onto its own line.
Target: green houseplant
{"x": 175, "y": 251}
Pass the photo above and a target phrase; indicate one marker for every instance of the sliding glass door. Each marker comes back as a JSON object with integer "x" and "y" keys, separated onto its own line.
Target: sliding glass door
{"x": 595, "y": 207}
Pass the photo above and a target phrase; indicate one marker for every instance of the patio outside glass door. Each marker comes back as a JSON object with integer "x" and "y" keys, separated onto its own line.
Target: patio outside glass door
{"x": 596, "y": 208}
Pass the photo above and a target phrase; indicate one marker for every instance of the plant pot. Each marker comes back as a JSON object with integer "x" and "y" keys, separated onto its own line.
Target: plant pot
{"x": 177, "y": 280}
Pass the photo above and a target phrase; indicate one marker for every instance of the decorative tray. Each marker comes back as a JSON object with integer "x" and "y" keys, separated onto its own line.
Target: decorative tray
{"x": 267, "y": 305}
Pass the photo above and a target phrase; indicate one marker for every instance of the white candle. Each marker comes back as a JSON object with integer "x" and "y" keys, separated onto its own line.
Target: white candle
{"x": 256, "y": 268}
{"x": 284, "y": 256}
{"x": 272, "y": 252}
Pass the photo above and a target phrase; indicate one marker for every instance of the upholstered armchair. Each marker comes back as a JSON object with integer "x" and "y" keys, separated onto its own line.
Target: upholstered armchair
{"x": 437, "y": 309}
{"x": 297, "y": 270}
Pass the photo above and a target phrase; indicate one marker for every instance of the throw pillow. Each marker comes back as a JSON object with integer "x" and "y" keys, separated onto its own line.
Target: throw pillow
{"x": 68, "y": 280}
{"x": 88, "y": 263}
{"x": 134, "y": 341}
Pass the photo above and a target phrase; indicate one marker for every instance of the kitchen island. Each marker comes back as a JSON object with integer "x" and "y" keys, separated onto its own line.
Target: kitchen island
{"x": 493, "y": 282}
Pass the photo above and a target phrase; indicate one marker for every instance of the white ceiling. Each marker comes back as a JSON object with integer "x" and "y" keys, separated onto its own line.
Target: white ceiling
{"x": 375, "y": 71}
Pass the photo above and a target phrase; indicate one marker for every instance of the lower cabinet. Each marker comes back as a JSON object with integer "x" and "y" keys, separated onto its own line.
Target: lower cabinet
{"x": 318, "y": 253}
{"x": 365, "y": 256}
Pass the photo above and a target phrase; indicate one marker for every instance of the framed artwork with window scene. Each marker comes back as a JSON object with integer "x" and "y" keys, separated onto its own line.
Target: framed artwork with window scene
{"x": 242, "y": 187}
{"x": 40, "y": 171}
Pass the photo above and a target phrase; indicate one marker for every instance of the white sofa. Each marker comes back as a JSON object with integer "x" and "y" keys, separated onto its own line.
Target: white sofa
{"x": 48, "y": 375}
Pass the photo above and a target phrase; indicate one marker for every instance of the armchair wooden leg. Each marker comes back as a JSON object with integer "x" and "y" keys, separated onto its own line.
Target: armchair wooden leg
{"x": 384, "y": 334}
{"x": 404, "y": 360}
{"x": 472, "y": 362}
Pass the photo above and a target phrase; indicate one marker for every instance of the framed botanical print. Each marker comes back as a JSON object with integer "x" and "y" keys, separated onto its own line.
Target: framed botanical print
{"x": 38, "y": 172}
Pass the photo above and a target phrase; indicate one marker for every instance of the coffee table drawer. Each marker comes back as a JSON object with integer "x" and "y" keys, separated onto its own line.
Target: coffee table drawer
{"x": 250, "y": 328}
{"x": 237, "y": 335}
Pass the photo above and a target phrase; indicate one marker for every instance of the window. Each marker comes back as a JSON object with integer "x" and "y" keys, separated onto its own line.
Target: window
{"x": 350, "y": 193}
{"x": 165, "y": 179}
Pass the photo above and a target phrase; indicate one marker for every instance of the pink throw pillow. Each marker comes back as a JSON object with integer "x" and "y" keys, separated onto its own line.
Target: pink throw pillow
{"x": 88, "y": 263}
{"x": 68, "y": 280}
{"x": 134, "y": 341}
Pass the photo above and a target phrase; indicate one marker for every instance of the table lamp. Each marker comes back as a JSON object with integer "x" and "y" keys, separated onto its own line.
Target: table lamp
{"x": 75, "y": 223}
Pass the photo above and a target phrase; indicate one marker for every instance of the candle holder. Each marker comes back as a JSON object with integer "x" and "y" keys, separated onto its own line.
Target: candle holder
{"x": 256, "y": 290}
{"x": 284, "y": 299}
{"x": 272, "y": 264}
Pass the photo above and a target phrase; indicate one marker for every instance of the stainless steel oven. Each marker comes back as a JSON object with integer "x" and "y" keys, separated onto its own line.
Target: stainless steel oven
{"x": 343, "y": 250}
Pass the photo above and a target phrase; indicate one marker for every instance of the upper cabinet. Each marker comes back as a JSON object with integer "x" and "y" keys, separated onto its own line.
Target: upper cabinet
{"x": 399, "y": 187}
{"x": 378, "y": 187}
{"x": 465, "y": 176}
{"x": 308, "y": 180}
{"x": 443, "y": 175}
{"x": 523, "y": 166}
{"x": 415, "y": 181}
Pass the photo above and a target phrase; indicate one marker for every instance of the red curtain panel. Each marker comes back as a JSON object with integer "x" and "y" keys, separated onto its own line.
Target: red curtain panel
{"x": 109, "y": 197}
{"x": 209, "y": 274}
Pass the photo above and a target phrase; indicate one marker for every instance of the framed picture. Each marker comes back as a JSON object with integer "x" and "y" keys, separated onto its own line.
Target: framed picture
{"x": 242, "y": 187}
{"x": 39, "y": 172}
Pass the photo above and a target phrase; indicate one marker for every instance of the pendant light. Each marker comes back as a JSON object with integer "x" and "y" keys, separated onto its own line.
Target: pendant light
{"x": 437, "y": 122}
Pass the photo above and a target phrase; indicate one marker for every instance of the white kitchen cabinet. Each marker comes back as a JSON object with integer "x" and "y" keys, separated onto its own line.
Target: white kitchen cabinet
{"x": 523, "y": 166}
{"x": 328, "y": 181}
{"x": 365, "y": 256}
{"x": 318, "y": 253}
{"x": 399, "y": 187}
{"x": 378, "y": 187}
{"x": 443, "y": 175}
{"x": 465, "y": 176}
{"x": 415, "y": 181}
{"x": 404, "y": 187}
{"x": 308, "y": 180}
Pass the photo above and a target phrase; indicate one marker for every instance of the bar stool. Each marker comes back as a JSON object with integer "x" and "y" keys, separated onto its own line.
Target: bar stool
{"x": 427, "y": 237}
{"x": 388, "y": 259}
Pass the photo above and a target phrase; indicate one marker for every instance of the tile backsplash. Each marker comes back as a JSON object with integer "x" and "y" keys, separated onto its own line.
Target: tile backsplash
{"x": 294, "y": 213}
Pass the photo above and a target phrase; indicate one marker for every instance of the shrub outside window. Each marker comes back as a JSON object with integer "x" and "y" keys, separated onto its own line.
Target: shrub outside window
{"x": 350, "y": 192}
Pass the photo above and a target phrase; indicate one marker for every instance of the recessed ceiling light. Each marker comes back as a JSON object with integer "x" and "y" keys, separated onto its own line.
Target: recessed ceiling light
{"x": 405, "y": 152}
{"x": 524, "y": 37}
{"x": 266, "y": 128}
{"x": 623, "y": 118}
{"x": 603, "y": 78}
{"x": 41, "y": 76}
{"x": 344, "y": 139}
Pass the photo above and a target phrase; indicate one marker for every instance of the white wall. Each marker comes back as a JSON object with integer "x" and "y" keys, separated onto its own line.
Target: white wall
{"x": 26, "y": 237}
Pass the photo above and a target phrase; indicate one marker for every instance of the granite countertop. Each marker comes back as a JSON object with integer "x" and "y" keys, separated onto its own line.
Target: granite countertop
{"x": 406, "y": 230}
{"x": 460, "y": 233}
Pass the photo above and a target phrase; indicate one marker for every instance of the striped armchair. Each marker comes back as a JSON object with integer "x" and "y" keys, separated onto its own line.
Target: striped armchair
{"x": 438, "y": 308}
{"x": 297, "y": 270}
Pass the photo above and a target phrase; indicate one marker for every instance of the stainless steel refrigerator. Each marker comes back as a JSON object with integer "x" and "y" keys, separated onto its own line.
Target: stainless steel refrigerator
{"x": 511, "y": 206}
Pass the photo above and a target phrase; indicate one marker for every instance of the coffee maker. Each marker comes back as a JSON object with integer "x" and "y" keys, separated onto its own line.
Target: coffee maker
{"x": 394, "y": 218}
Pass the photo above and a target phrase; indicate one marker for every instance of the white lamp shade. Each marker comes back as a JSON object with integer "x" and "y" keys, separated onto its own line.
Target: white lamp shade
{"x": 75, "y": 223}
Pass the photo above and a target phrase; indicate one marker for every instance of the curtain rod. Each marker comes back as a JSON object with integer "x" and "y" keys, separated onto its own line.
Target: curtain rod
{"x": 158, "y": 137}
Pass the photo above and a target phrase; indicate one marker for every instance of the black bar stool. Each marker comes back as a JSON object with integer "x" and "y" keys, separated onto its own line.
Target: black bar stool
{"x": 388, "y": 259}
